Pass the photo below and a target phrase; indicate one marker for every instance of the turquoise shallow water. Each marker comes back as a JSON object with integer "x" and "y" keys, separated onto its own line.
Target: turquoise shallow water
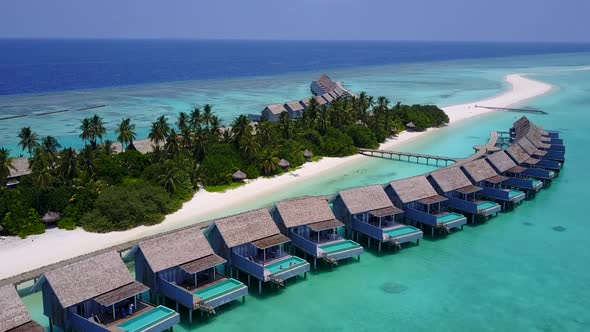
{"x": 524, "y": 270}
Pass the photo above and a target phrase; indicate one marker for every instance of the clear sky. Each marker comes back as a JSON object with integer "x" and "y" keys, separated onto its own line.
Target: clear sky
{"x": 473, "y": 20}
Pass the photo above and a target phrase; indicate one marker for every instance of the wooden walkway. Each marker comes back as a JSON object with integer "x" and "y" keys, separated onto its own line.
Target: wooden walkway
{"x": 480, "y": 151}
{"x": 515, "y": 110}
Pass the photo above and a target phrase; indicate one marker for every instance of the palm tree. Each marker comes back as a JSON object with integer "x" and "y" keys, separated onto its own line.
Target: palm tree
{"x": 108, "y": 147}
{"x": 269, "y": 164}
{"x": 172, "y": 145}
{"x": 87, "y": 159}
{"x": 227, "y": 136}
{"x": 160, "y": 130}
{"x": 324, "y": 118}
{"x": 186, "y": 138}
{"x": 266, "y": 133}
{"x": 215, "y": 126}
{"x": 50, "y": 145}
{"x": 200, "y": 144}
{"x": 5, "y": 165}
{"x": 68, "y": 165}
{"x": 249, "y": 146}
{"x": 240, "y": 125}
{"x": 182, "y": 121}
{"x": 86, "y": 128}
{"x": 98, "y": 129}
{"x": 28, "y": 140}
{"x": 169, "y": 179}
{"x": 196, "y": 118}
{"x": 41, "y": 169}
{"x": 126, "y": 133}
{"x": 207, "y": 114}
{"x": 286, "y": 125}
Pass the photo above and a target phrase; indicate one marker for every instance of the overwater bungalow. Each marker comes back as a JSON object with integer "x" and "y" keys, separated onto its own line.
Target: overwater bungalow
{"x": 304, "y": 103}
{"x": 517, "y": 175}
{"x": 323, "y": 85}
{"x": 14, "y": 316}
{"x": 516, "y": 149}
{"x": 369, "y": 212}
{"x": 333, "y": 95}
{"x": 273, "y": 112}
{"x": 492, "y": 184}
{"x": 99, "y": 294}
{"x": 20, "y": 167}
{"x": 252, "y": 243}
{"x": 543, "y": 154}
{"x": 327, "y": 97}
{"x": 312, "y": 227}
{"x": 423, "y": 205}
{"x": 521, "y": 158}
{"x": 295, "y": 109}
{"x": 523, "y": 126}
{"x": 183, "y": 267}
{"x": 463, "y": 196}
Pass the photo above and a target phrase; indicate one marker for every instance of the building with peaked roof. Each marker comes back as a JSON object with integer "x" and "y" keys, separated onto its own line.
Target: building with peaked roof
{"x": 483, "y": 175}
{"x": 516, "y": 175}
{"x": 183, "y": 267}
{"x": 14, "y": 316}
{"x": 367, "y": 211}
{"x": 20, "y": 167}
{"x": 273, "y": 112}
{"x": 463, "y": 196}
{"x": 312, "y": 227}
{"x": 423, "y": 205}
{"x": 95, "y": 295}
{"x": 252, "y": 243}
{"x": 295, "y": 109}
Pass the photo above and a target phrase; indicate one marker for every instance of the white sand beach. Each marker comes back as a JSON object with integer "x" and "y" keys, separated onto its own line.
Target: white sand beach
{"x": 22, "y": 255}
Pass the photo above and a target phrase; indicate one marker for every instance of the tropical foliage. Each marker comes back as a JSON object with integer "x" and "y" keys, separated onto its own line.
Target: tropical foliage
{"x": 103, "y": 189}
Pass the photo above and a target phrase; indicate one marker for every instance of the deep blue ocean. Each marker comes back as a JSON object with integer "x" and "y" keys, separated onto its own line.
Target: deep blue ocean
{"x": 35, "y": 66}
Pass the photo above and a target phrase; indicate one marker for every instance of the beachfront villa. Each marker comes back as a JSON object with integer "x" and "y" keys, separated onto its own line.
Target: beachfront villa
{"x": 368, "y": 211}
{"x": 493, "y": 187}
{"x": 273, "y": 112}
{"x": 252, "y": 243}
{"x": 517, "y": 175}
{"x": 423, "y": 205}
{"x": 14, "y": 316}
{"x": 98, "y": 294}
{"x": 295, "y": 109}
{"x": 463, "y": 196}
{"x": 182, "y": 266}
{"x": 312, "y": 227}
{"x": 20, "y": 167}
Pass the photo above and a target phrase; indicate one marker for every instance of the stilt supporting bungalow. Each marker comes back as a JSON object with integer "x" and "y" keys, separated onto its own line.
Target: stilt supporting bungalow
{"x": 312, "y": 227}
{"x": 183, "y": 267}
{"x": 99, "y": 294}
{"x": 368, "y": 211}
{"x": 423, "y": 205}
{"x": 252, "y": 243}
{"x": 484, "y": 176}
{"x": 14, "y": 316}
{"x": 463, "y": 196}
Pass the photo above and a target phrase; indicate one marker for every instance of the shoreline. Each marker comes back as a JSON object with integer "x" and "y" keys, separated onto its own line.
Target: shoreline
{"x": 56, "y": 245}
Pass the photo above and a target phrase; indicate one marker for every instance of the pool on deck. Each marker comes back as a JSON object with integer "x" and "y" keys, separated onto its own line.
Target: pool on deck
{"x": 514, "y": 193}
{"x": 401, "y": 231}
{"x": 218, "y": 289}
{"x": 449, "y": 217}
{"x": 285, "y": 264}
{"x": 536, "y": 182}
{"x": 147, "y": 319}
{"x": 486, "y": 205}
{"x": 339, "y": 246}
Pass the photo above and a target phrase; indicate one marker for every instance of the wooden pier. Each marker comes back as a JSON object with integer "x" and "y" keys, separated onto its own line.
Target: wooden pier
{"x": 408, "y": 156}
{"x": 515, "y": 110}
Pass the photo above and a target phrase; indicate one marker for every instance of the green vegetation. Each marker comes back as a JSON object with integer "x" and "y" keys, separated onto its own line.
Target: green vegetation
{"x": 102, "y": 191}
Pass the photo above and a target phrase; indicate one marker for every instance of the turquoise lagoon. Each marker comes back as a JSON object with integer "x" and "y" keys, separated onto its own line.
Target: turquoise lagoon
{"x": 524, "y": 270}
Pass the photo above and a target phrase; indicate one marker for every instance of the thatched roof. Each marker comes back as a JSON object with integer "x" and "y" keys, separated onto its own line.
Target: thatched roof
{"x": 276, "y": 109}
{"x": 501, "y": 161}
{"x": 364, "y": 199}
{"x": 522, "y": 121}
{"x": 271, "y": 241}
{"x": 517, "y": 153}
{"x": 305, "y": 210}
{"x": 304, "y": 102}
{"x": 86, "y": 279}
{"x": 517, "y": 169}
{"x": 333, "y": 94}
{"x": 246, "y": 227}
{"x": 21, "y": 167}
{"x": 413, "y": 189}
{"x": 50, "y": 217}
{"x": 143, "y": 146}
{"x": 13, "y": 312}
{"x": 433, "y": 200}
{"x": 283, "y": 163}
{"x": 321, "y": 100}
{"x": 239, "y": 175}
{"x": 323, "y": 225}
{"x": 174, "y": 249}
{"x": 388, "y": 211}
{"x": 307, "y": 154}
{"x": 327, "y": 97}
{"x": 479, "y": 170}
{"x": 529, "y": 147}
{"x": 537, "y": 140}
{"x": 294, "y": 106}
{"x": 470, "y": 189}
{"x": 202, "y": 264}
{"x": 450, "y": 178}
{"x": 31, "y": 326}
{"x": 117, "y": 295}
